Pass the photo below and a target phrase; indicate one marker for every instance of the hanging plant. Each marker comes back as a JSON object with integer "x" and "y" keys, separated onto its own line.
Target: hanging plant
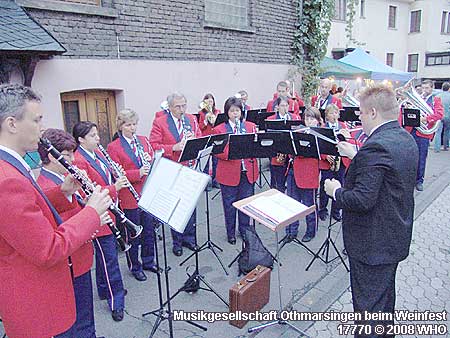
{"x": 350, "y": 18}
{"x": 312, "y": 28}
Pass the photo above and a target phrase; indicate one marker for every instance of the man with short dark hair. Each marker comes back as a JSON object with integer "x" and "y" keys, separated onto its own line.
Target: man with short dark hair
{"x": 36, "y": 294}
{"x": 377, "y": 202}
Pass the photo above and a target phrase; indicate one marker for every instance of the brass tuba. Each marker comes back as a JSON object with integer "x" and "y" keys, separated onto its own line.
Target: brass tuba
{"x": 409, "y": 97}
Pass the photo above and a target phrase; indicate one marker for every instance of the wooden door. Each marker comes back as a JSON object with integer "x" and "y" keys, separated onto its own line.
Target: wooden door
{"x": 98, "y": 106}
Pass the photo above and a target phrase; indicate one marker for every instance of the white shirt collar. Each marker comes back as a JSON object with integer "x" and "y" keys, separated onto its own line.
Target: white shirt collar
{"x": 129, "y": 140}
{"x": 19, "y": 158}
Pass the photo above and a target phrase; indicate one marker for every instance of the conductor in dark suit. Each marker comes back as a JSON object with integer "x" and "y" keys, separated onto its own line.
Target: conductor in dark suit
{"x": 377, "y": 202}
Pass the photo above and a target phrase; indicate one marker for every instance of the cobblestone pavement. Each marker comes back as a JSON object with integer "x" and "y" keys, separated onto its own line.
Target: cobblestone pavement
{"x": 423, "y": 279}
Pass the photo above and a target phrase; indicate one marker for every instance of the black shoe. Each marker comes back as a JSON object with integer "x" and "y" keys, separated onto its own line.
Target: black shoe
{"x": 337, "y": 217}
{"x": 307, "y": 238}
{"x": 151, "y": 268}
{"x": 232, "y": 240}
{"x": 140, "y": 276}
{"x": 177, "y": 251}
{"x": 323, "y": 214}
{"x": 117, "y": 315}
{"x": 189, "y": 246}
{"x": 419, "y": 186}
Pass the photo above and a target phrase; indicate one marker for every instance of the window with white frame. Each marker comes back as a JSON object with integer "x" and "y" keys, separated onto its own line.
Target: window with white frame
{"x": 390, "y": 59}
{"x": 392, "y": 22}
{"x": 416, "y": 17}
{"x": 340, "y": 10}
{"x": 232, "y": 13}
{"x": 413, "y": 62}
{"x": 362, "y": 9}
{"x": 445, "y": 23}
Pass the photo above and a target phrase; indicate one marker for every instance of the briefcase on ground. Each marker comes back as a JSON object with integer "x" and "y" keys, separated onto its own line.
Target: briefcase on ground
{"x": 250, "y": 294}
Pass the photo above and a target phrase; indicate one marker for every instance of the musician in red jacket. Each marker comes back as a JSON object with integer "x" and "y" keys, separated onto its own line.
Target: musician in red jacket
{"x": 36, "y": 293}
{"x": 303, "y": 182}
{"x": 324, "y": 97}
{"x": 169, "y": 133}
{"x": 283, "y": 90}
{"x": 332, "y": 166}
{"x": 236, "y": 177}
{"x": 51, "y": 176}
{"x": 128, "y": 153}
{"x": 423, "y": 140}
{"x": 278, "y": 165}
{"x": 208, "y": 116}
{"x": 107, "y": 270}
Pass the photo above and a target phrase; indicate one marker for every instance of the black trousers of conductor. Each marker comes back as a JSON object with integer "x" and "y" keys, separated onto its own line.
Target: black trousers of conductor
{"x": 373, "y": 290}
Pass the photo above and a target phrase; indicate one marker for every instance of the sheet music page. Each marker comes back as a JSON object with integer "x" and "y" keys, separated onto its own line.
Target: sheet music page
{"x": 277, "y": 208}
{"x": 164, "y": 204}
{"x": 189, "y": 185}
{"x": 162, "y": 176}
{"x": 203, "y": 155}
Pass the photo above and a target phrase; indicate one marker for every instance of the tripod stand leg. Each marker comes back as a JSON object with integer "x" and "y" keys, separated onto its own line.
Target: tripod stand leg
{"x": 339, "y": 255}
{"x": 210, "y": 288}
{"x": 317, "y": 254}
{"x": 218, "y": 258}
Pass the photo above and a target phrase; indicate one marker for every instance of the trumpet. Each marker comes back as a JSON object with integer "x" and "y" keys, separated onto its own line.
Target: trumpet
{"x": 88, "y": 188}
{"x": 210, "y": 116}
{"x": 117, "y": 172}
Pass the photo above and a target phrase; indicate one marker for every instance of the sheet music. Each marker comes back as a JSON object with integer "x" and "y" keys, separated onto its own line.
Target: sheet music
{"x": 164, "y": 204}
{"x": 276, "y": 208}
{"x": 203, "y": 156}
{"x": 180, "y": 185}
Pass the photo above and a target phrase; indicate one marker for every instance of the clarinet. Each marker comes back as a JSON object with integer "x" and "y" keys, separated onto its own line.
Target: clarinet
{"x": 237, "y": 122}
{"x": 88, "y": 187}
{"x": 140, "y": 150}
{"x": 117, "y": 172}
{"x": 186, "y": 128}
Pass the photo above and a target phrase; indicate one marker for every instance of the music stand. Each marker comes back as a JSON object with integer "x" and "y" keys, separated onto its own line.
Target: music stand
{"x": 304, "y": 145}
{"x": 195, "y": 146}
{"x": 326, "y": 142}
{"x": 164, "y": 201}
{"x": 348, "y": 114}
{"x": 275, "y": 226}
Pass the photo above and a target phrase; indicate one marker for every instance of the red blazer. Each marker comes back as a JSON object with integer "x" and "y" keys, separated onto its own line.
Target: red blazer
{"x": 128, "y": 161}
{"x": 207, "y": 129}
{"x": 164, "y": 135}
{"x": 306, "y": 172}
{"x": 293, "y": 106}
{"x": 83, "y": 257}
{"x": 229, "y": 171}
{"x": 334, "y": 100}
{"x": 81, "y": 162}
{"x": 36, "y": 293}
{"x": 438, "y": 109}
{"x": 273, "y": 161}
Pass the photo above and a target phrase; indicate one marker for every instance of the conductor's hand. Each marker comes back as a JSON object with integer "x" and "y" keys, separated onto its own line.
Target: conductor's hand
{"x": 331, "y": 185}
{"x": 70, "y": 186}
{"x": 346, "y": 149}
{"x": 122, "y": 182}
{"x": 144, "y": 170}
{"x": 99, "y": 200}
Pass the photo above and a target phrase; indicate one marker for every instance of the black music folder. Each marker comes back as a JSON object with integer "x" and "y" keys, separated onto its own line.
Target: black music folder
{"x": 221, "y": 118}
{"x": 348, "y": 114}
{"x": 259, "y": 145}
{"x": 326, "y": 147}
{"x": 410, "y": 117}
{"x": 282, "y": 124}
{"x": 194, "y": 145}
{"x": 305, "y": 145}
{"x": 258, "y": 117}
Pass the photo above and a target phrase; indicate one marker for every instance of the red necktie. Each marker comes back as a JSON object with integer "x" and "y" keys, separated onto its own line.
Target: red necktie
{"x": 179, "y": 127}
{"x": 235, "y": 129}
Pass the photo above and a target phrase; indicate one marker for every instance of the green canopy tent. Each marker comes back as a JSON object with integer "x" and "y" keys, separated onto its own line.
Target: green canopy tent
{"x": 340, "y": 70}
